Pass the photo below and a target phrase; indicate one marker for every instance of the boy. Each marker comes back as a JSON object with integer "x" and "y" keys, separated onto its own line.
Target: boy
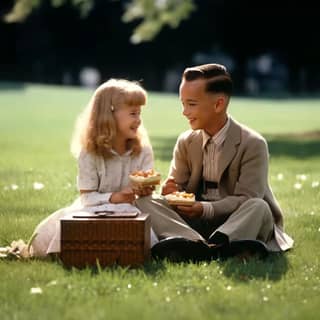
{"x": 225, "y": 164}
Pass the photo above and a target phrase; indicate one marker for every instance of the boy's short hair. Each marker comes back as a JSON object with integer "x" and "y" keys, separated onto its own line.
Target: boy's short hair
{"x": 217, "y": 76}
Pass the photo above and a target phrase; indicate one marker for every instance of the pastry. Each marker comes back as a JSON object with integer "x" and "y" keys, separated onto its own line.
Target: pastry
{"x": 145, "y": 178}
{"x": 180, "y": 198}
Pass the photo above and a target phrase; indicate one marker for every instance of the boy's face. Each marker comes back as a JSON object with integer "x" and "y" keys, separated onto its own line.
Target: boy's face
{"x": 199, "y": 106}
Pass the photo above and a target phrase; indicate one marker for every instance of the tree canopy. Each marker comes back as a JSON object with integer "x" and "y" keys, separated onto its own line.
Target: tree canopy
{"x": 152, "y": 15}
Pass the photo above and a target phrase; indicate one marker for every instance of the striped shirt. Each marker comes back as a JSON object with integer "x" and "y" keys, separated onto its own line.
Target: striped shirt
{"x": 212, "y": 148}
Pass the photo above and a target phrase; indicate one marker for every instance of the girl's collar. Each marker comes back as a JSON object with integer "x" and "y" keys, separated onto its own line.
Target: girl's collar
{"x": 127, "y": 153}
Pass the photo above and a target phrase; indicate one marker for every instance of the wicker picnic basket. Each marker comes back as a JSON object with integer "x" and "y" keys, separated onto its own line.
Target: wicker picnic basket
{"x": 107, "y": 241}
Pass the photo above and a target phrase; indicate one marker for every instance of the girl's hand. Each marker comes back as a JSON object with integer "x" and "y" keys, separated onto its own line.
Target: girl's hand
{"x": 169, "y": 186}
{"x": 144, "y": 191}
{"x": 124, "y": 196}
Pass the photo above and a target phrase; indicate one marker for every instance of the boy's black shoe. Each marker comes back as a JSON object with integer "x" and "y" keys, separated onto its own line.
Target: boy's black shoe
{"x": 179, "y": 249}
{"x": 246, "y": 249}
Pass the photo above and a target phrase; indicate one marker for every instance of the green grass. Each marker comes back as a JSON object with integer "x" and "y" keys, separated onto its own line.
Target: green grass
{"x": 36, "y": 124}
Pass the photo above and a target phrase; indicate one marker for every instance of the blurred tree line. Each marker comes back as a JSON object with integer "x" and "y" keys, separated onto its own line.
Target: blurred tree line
{"x": 269, "y": 46}
{"x": 155, "y": 14}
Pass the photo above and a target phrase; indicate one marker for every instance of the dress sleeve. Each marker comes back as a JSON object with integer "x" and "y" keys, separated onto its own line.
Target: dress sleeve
{"x": 94, "y": 198}
{"x": 88, "y": 179}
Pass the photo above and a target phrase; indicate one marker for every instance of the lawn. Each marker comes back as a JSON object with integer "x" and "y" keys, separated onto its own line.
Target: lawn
{"x": 36, "y": 124}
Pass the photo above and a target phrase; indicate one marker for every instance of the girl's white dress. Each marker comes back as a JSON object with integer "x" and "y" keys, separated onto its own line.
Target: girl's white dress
{"x": 94, "y": 173}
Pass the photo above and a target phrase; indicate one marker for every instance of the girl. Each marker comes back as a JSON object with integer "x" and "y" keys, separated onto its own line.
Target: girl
{"x": 109, "y": 143}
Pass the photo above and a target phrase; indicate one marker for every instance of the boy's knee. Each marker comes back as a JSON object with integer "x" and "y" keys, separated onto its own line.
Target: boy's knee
{"x": 258, "y": 203}
{"x": 261, "y": 208}
{"x": 143, "y": 200}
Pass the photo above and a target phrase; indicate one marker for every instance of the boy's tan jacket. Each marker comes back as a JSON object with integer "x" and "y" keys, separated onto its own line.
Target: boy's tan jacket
{"x": 242, "y": 172}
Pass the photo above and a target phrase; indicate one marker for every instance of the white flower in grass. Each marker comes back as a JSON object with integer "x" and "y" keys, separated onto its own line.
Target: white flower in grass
{"x": 265, "y": 299}
{"x": 129, "y": 286}
{"x": 315, "y": 184}
{"x": 38, "y": 185}
{"x": 168, "y": 299}
{"x": 14, "y": 187}
{"x": 36, "y": 290}
{"x": 229, "y": 288}
{"x": 297, "y": 185}
{"x": 52, "y": 283}
{"x": 68, "y": 185}
{"x": 280, "y": 176}
{"x": 301, "y": 177}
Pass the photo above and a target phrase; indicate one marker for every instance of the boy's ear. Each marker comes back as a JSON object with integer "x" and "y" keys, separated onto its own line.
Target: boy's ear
{"x": 220, "y": 104}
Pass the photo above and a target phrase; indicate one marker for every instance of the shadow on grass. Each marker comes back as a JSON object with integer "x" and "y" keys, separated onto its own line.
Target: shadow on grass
{"x": 11, "y": 86}
{"x": 271, "y": 268}
{"x": 150, "y": 268}
{"x": 298, "y": 146}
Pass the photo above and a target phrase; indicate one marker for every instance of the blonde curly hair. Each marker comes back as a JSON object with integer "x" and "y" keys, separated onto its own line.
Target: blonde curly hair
{"x": 95, "y": 127}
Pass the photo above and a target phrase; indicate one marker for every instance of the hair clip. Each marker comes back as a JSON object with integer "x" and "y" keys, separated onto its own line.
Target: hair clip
{"x": 112, "y": 108}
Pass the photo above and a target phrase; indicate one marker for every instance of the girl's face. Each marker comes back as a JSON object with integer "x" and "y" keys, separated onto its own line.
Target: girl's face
{"x": 128, "y": 120}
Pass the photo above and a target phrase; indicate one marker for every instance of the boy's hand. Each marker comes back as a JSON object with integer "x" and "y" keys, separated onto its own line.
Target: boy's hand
{"x": 193, "y": 211}
{"x": 169, "y": 186}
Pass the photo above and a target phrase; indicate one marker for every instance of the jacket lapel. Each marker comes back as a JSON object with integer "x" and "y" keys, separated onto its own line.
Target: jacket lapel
{"x": 197, "y": 154}
{"x": 229, "y": 148}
